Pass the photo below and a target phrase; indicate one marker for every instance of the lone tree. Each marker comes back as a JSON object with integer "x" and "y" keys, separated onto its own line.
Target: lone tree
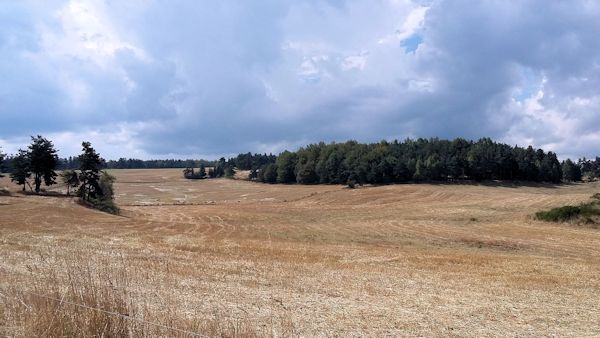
{"x": 20, "y": 172}
{"x": 71, "y": 179}
{"x": 90, "y": 162}
{"x": 42, "y": 161}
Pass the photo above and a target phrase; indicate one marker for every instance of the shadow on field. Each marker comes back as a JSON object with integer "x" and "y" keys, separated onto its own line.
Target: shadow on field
{"x": 505, "y": 184}
{"x": 46, "y": 194}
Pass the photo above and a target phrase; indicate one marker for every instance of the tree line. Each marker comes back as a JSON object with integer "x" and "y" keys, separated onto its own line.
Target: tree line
{"x": 415, "y": 160}
{"x": 357, "y": 163}
{"x": 220, "y": 168}
{"x": 249, "y": 161}
{"x": 38, "y": 164}
{"x": 134, "y": 163}
{"x": 226, "y": 168}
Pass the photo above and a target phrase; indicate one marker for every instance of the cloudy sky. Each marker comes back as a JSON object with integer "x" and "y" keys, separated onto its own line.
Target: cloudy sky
{"x": 156, "y": 79}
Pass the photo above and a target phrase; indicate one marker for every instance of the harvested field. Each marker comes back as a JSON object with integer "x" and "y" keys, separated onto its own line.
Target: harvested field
{"x": 239, "y": 258}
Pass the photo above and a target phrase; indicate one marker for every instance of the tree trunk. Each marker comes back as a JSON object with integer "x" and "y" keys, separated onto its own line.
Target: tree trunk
{"x": 38, "y": 183}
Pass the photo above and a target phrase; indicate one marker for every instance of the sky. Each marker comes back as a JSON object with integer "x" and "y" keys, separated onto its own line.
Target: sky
{"x": 205, "y": 79}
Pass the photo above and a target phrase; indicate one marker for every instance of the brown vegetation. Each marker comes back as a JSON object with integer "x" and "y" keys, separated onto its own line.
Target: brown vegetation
{"x": 234, "y": 258}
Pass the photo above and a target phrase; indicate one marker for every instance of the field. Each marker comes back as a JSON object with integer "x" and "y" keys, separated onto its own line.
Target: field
{"x": 230, "y": 257}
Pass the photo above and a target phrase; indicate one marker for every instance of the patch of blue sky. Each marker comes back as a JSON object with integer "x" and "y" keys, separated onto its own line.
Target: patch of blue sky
{"x": 411, "y": 43}
{"x": 311, "y": 79}
{"x": 530, "y": 84}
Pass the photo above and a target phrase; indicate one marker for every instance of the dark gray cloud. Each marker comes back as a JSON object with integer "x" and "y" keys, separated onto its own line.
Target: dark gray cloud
{"x": 207, "y": 78}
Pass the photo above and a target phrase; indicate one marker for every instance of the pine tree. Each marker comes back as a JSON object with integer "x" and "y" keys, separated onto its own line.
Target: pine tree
{"x": 71, "y": 179}
{"x": 286, "y": 163}
{"x": 571, "y": 171}
{"x": 270, "y": 173}
{"x": 42, "y": 162}
{"x": 90, "y": 162}
{"x": 20, "y": 171}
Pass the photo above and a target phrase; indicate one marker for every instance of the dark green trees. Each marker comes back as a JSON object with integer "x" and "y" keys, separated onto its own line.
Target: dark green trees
{"x": 412, "y": 160}
{"x": 220, "y": 167}
{"x": 20, "y": 168}
{"x": 268, "y": 174}
{"x": 1, "y": 161}
{"x": 42, "y": 162}
{"x": 286, "y": 164}
{"x": 590, "y": 168}
{"x": 550, "y": 169}
{"x": 90, "y": 162}
{"x": 39, "y": 160}
{"x": 571, "y": 171}
{"x": 306, "y": 164}
{"x": 96, "y": 186}
{"x": 71, "y": 179}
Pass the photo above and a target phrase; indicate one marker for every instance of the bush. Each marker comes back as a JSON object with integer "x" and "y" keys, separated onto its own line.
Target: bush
{"x": 106, "y": 205}
{"x": 569, "y": 213}
{"x": 351, "y": 184}
{"x": 561, "y": 214}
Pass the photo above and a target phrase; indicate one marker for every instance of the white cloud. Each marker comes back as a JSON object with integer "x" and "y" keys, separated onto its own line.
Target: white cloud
{"x": 358, "y": 61}
{"x": 85, "y": 33}
{"x": 411, "y": 25}
{"x": 148, "y": 78}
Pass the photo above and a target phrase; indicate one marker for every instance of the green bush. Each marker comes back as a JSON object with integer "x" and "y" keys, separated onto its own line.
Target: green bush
{"x": 103, "y": 204}
{"x": 569, "y": 213}
{"x": 561, "y": 214}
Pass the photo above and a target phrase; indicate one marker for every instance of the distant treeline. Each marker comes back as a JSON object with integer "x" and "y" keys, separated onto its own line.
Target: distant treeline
{"x": 71, "y": 163}
{"x": 132, "y": 163}
{"x": 414, "y": 160}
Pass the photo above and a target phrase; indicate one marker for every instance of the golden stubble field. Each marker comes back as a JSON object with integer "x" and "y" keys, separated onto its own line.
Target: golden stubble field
{"x": 235, "y": 258}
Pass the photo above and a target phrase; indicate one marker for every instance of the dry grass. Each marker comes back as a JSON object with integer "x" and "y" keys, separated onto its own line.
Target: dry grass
{"x": 234, "y": 258}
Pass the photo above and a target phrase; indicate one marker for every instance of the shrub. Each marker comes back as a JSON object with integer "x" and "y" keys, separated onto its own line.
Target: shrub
{"x": 569, "y": 213}
{"x": 561, "y": 214}
{"x": 106, "y": 205}
{"x": 351, "y": 184}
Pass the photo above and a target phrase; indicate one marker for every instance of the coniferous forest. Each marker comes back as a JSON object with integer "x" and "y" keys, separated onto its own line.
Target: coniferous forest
{"x": 414, "y": 160}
